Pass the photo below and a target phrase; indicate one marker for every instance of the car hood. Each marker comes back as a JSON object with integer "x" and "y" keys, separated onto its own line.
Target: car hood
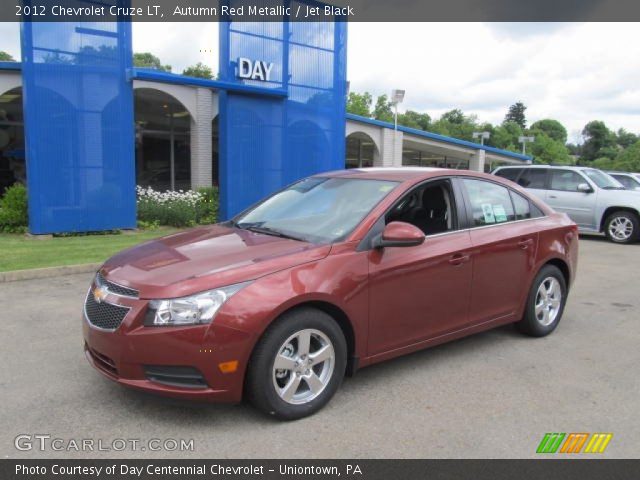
{"x": 204, "y": 258}
{"x": 624, "y": 197}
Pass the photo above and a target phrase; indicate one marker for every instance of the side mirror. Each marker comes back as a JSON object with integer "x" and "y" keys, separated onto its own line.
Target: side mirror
{"x": 584, "y": 188}
{"x": 399, "y": 234}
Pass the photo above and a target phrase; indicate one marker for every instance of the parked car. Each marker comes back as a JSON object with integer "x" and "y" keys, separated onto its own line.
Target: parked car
{"x": 336, "y": 272}
{"x": 630, "y": 181}
{"x": 594, "y": 200}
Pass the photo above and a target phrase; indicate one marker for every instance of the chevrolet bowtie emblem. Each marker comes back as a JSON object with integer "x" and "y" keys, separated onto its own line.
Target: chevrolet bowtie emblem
{"x": 99, "y": 294}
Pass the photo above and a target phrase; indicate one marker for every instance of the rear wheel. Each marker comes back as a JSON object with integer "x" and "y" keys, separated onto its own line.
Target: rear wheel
{"x": 297, "y": 365}
{"x": 545, "y": 303}
{"x": 622, "y": 227}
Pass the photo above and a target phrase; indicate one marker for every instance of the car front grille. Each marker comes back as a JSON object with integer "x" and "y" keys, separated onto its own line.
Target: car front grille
{"x": 104, "y": 315}
{"x": 115, "y": 288}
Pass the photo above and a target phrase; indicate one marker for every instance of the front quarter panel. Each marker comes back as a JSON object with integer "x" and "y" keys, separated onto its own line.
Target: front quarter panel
{"x": 340, "y": 279}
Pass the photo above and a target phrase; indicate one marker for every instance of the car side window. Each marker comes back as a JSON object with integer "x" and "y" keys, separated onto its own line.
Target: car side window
{"x": 565, "y": 180}
{"x": 430, "y": 207}
{"x": 490, "y": 203}
{"x": 521, "y": 206}
{"x": 509, "y": 173}
{"x": 533, "y": 178}
{"x": 628, "y": 182}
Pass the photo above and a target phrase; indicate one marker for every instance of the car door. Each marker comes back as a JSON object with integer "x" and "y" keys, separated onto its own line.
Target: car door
{"x": 503, "y": 250}
{"x": 563, "y": 196}
{"x": 420, "y": 292}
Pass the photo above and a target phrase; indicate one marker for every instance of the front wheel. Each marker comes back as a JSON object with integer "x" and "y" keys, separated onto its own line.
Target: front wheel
{"x": 622, "y": 227}
{"x": 297, "y": 365}
{"x": 545, "y": 303}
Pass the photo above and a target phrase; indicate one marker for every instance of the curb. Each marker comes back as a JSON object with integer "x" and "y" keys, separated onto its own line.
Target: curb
{"x": 34, "y": 273}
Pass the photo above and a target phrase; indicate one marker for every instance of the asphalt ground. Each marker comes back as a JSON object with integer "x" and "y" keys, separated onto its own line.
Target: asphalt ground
{"x": 493, "y": 395}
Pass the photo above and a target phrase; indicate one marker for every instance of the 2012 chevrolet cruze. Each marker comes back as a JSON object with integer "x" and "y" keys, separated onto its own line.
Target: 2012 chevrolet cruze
{"x": 336, "y": 272}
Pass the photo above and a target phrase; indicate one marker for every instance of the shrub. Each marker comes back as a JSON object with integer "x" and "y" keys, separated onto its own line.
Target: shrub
{"x": 207, "y": 207}
{"x": 13, "y": 209}
{"x": 178, "y": 209}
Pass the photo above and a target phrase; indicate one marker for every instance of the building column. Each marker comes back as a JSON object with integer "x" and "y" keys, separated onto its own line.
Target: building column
{"x": 391, "y": 155}
{"x": 201, "y": 134}
{"x": 476, "y": 162}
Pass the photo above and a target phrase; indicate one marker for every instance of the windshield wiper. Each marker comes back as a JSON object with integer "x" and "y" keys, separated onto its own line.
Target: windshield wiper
{"x": 270, "y": 231}
{"x": 612, "y": 187}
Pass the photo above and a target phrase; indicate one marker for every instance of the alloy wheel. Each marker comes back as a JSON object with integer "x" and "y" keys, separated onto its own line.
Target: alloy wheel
{"x": 548, "y": 301}
{"x": 621, "y": 228}
{"x": 303, "y": 366}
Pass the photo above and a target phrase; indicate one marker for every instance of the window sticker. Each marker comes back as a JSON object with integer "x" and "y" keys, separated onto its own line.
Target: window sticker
{"x": 487, "y": 210}
{"x": 499, "y": 213}
{"x": 386, "y": 188}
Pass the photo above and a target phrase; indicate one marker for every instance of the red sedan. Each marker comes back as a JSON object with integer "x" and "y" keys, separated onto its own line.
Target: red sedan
{"x": 336, "y": 272}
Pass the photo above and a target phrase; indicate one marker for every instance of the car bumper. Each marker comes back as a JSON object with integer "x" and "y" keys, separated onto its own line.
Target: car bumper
{"x": 127, "y": 354}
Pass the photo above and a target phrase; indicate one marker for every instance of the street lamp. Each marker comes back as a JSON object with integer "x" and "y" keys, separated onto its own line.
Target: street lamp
{"x": 524, "y": 141}
{"x": 396, "y": 97}
{"x": 482, "y": 135}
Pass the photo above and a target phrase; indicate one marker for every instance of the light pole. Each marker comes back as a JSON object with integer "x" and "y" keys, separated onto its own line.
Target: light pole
{"x": 524, "y": 141}
{"x": 482, "y": 136}
{"x": 396, "y": 97}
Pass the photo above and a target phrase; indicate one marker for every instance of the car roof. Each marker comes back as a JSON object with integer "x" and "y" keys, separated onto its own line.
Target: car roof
{"x": 396, "y": 174}
{"x": 564, "y": 167}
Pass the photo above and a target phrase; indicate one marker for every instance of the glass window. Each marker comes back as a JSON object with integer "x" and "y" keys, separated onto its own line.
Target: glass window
{"x": 602, "y": 180}
{"x": 317, "y": 209}
{"x": 533, "y": 178}
{"x": 521, "y": 206}
{"x": 627, "y": 182}
{"x": 490, "y": 203}
{"x": 509, "y": 173}
{"x": 566, "y": 180}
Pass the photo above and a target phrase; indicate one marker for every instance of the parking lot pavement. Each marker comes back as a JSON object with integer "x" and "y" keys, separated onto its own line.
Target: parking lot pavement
{"x": 493, "y": 395}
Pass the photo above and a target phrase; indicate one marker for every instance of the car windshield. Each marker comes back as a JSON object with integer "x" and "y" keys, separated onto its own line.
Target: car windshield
{"x": 316, "y": 209}
{"x": 602, "y": 180}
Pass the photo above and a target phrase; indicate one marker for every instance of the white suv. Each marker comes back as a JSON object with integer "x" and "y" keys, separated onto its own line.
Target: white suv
{"x": 594, "y": 200}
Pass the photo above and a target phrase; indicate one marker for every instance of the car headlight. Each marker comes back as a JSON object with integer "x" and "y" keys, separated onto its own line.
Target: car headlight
{"x": 192, "y": 310}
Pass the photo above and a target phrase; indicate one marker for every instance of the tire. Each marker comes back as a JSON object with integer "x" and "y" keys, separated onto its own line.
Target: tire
{"x": 300, "y": 388}
{"x": 545, "y": 303}
{"x": 622, "y": 227}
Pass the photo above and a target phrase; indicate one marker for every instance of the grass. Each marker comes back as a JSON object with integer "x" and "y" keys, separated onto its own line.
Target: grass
{"x": 18, "y": 252}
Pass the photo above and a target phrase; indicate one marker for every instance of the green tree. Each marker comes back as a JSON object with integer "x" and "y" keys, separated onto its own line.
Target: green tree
{"x": 548, "y": 150}
{"x": 552, "y": 128}
{"x": 359, "y": 104}
{"x": 382, "y": 111}
{"x": 628, "y": 160}
{"x": 604, "y": 163}
{"x": 199, "y": 70}
{"x": 516, "y": 114}
{"x": 505, "y": 136}
{"x": 411, "y": 119}
{"x": 149, "y": 60}
{"x": 5, "y": 57}
{"x": 625, "y": 139}
{"x": 599, "y": 141}
{"x": 455, "y": 123}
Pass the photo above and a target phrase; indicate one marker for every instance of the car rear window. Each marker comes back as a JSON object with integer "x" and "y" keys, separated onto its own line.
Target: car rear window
{"x": 509, "y": 173}
{"x": 533, "y": 178}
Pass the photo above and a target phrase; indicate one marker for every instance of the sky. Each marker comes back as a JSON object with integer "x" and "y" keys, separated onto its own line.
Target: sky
{"x": 573, "y": 72}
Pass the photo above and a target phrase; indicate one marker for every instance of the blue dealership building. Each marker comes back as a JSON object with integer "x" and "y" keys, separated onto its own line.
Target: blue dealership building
{"x": 82, "y": 127}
